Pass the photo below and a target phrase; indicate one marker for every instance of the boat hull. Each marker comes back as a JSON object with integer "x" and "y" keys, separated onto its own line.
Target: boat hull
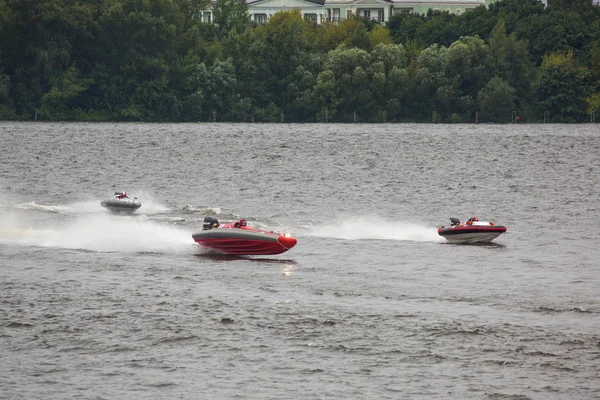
{"x": 244, "y": 241}
{"x": 120, "y": 206}
{"x": 471, "y": 234}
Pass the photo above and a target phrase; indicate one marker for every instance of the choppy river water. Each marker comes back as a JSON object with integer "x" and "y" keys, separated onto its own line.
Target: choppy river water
{"x": 371, "y": 303}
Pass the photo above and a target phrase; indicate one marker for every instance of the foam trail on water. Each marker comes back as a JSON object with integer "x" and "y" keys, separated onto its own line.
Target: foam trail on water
{"x": 150, "y": 205}
{"x": 102, "y": 233}
{"x": 32, "y": 205}
{"x": 359, "y": 228}
{"x": 90, "y": 206}
{"x": 203, "y": 210}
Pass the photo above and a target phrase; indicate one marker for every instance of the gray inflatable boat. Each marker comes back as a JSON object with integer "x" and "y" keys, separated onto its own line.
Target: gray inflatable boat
{"x": 121, "y": 203}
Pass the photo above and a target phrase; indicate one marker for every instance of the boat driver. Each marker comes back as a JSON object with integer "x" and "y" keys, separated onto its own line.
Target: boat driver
{"x": 210, "y": 223}
{"x": 471, "y": 220}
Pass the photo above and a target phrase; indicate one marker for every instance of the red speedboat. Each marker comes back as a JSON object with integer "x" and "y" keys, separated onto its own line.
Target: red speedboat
{"x": 473, "y": 231}
{"x": 239, "y": 239}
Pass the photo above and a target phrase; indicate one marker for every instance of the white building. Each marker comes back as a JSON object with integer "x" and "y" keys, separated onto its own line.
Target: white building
{"x": 320, "y": 11}
{"x": 261, "y": 10}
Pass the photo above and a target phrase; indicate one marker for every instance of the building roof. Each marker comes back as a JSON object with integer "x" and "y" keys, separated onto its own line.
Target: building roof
{"x": 317, "y": 2}
{"x": 438, "y": 2}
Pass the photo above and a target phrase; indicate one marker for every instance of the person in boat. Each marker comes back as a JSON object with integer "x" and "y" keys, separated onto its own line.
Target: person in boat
{"x": 454, "y": 222}
{"x": 210, "y": 223}
{"x": 121, "y": 195}
{"x": 242, "y": 223}
{"x": 471, "y": 220}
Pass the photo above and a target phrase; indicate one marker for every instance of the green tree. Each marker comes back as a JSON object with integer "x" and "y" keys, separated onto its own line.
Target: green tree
{"x": 380, "y": 35}
{"x": 41, "y": 40}
{"x": 509, "y": 59}
{"x": 497, "y": 101}
{"x": 390, "y": 78}
{"x": 594, "y": 104}
{"x": 6, "y": 106}
{"x": 300, "y": 88}
{"x": 554, "y": 31}
{"x": 440, "y": 27}
{"x": 448, "y": 79}
{"x": 390, "y": 55}
{"x": 404, "y": 27}
{"x": 286, "y": 47}
{"x": 248, "y": 52}
{"x": 194, "y": 104}
{"x": 563, "y": 88}
{"x": 593, "y": 61}
{"x": 65, "y": 88}
{"x": 465, "y": 62}
{"x": 515, "y": 12}
{"x": 356, "y": 33}
{"x": 428, "y": 78}
{"x": 579, "y": 6}
{"x": 326, "y": 96}
{"x": 343, "y": 85}
{"x": 140, "y": 43}
{"x": 221, "y": 89}
{"x": 231, "y": 15}
{"x": 479, "y": 21}
{"x": 191, "y": 11}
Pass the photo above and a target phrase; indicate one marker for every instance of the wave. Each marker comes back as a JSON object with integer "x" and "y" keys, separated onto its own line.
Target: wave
{"x": 550, "y": 310}
{"x": 150, "y": 205}
{"x": 360, "y": 228}
{"x": 167, "y": 219}
{"x": 32, "y": 205}
{"x": 202, "y": 210}
{"x": 101, "y": 233}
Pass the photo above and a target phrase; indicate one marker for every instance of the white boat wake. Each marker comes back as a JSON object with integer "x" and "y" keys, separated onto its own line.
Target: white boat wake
{"x": 102, "y": 233}
{"x": 355, "y": 228}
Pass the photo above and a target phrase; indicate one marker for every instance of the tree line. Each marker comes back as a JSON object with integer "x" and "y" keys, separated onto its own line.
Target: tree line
{"x": 156, "y": 60}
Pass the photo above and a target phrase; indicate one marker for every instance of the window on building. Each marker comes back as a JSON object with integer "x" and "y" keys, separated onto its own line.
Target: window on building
{"x": 336, "y": 15}
{"x": 367, "y": 13}
{"x": 260, "y": 18}
{"x": 458, "y": 11}
{"x": 348, "y": 14}
{"x": 310, "y": 17}
{"x": 207, "y": 17}
{"x": 380, "y": 15}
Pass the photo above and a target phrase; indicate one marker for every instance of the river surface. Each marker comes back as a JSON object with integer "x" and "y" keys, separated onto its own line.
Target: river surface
{"x": 370, "y": 304}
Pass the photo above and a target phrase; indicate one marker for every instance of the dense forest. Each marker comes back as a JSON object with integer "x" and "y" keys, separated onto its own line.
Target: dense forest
{"x": 155, "y": 60}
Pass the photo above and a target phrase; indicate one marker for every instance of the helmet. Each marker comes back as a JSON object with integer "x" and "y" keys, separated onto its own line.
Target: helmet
{"x": 243, "y": 222}
{"x": 475, "y": 219}
{"x": 124, "y": 193}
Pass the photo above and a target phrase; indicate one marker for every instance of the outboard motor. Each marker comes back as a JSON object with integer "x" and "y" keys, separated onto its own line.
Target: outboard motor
{"x": 209, "y": 223}
{"x": 454, "y": 221}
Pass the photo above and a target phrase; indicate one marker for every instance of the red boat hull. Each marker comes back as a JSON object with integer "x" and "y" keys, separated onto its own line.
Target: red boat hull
{"x": 244, "y": 241}
{"x": 471, "y": 233}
